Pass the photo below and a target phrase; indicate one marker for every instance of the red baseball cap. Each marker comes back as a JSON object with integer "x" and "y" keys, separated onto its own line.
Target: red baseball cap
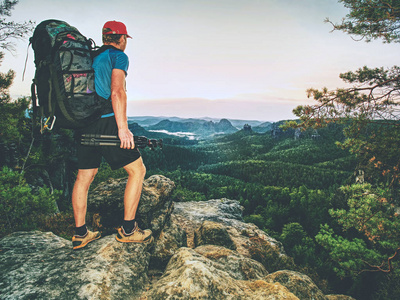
{"x": 115, "y": 27}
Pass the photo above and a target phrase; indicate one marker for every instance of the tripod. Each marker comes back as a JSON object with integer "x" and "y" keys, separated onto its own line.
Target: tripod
{"x": 113, "y": 140}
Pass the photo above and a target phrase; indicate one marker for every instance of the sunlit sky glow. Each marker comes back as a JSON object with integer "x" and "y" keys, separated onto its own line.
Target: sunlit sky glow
{"x": 246, "y": 59}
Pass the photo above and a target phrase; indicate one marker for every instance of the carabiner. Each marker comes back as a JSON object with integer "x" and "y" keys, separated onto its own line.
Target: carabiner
{"x": 46, "y": 126}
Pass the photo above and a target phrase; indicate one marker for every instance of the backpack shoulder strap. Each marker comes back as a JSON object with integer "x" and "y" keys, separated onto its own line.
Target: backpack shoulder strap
{"x": 103, "y": 48}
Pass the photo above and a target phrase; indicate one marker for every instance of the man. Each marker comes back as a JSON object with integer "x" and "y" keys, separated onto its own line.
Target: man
{"x": 110, "y": 66}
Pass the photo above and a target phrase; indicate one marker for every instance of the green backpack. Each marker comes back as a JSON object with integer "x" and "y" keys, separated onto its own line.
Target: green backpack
{"x": 63, "y": 91}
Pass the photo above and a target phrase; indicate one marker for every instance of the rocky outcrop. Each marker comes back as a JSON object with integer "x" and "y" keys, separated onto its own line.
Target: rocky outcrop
{"x": 154, "y": 211}
{"x": 236, "y": 265}
{"x": 202, "y": 250}
{"x": 212, "y": 233}
{"x": 339, "y": 297}
{"x": 155, "y": 206}
{"x": 38, "y": 265}
{"x": 171, "y": 238}
{"x": 299, "y": 284}
{"x": 208, "y": 272}
{"x": 244, "y": 236}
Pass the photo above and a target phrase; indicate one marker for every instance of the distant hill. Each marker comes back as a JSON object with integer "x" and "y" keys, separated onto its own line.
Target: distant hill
{"x": 263, "y": 127}
{"x": 167, "y": 138}
{"x": 146, "y": 121}
{"x": 240, "y": 123}
{"x": 197, "y": 126}
{"x": 139, "y": 130}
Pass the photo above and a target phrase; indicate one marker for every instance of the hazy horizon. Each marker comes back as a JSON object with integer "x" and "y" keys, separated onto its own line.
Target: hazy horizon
{"x": 199, "y": 118}
{"x": 223, "y": 58}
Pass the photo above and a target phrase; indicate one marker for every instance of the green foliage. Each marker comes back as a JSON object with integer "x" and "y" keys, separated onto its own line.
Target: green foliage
{"x": 10, "y": 29}
{"x": 368, "y": 19}
{"x": 172, "y": 157}
{"x": 275, "y": 173}
{"x": 19, "y": 204}
{"x": 377, "y": 149}
{"x": 374, "y": 220}
{"x": 309, "y": 208}
{"x": 183, "y": 195}
{"x": 13, "y": 125}
{"x": 298, "y": 244}
{"x": 304, "y": 153}
{"x": 347, "y": 163}
{"x": 370, "y": 212}
{"x": 349, "y": 254}
{"x": 370, "y": 98}
{"x": 292, "y": 234}
{"x": 388, "y": 286}
{"x": 255, "y": 219}
{"x": 365, "y": 235}
{"x": 12, "y": 113}
{"x": 369, "y": 112}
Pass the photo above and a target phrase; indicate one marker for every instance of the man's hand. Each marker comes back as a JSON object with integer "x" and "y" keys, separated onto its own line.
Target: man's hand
{"x": 126, "y": 137}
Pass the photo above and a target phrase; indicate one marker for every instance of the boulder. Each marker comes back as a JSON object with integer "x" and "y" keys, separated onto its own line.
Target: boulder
{"x": 236, "y": 265}
{"x": 213, "y": 233}
{"x": 246, "y": 237}
{"x": 299, "y": 284}
{"x": 339, "y": 297}
{"x": 155, "y": 206}
{"x": 217, "y": 210}
{"x": 171, "y": 238}
{"x": 261, "y": 290}
{"x": 190, "y": 275}
{"x": 267, "y": 253}
{"x": 38, "y": 265}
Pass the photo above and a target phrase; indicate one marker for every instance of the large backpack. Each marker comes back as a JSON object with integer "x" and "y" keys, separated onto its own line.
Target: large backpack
{"x": 64, "y": 78}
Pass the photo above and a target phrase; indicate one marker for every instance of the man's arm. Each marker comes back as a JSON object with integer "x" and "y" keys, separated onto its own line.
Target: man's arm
{"x": 119, "y": 104}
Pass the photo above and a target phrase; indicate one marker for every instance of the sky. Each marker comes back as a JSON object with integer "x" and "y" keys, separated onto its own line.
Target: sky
{"x": 238, "y": 59}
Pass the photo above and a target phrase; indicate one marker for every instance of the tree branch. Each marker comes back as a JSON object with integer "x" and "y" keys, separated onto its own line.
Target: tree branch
{"x": 381, "y": 267}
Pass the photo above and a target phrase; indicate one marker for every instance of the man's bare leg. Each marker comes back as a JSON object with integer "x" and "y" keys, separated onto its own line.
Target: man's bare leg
{"x": 136, "y": 172}
{"x": 130, "y": 231}
{"x": 80, "y": 193}
{"x": 79, "y": 203}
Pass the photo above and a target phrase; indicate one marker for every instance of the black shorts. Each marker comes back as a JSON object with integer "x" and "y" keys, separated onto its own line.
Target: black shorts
{"x": 89, "y": 157}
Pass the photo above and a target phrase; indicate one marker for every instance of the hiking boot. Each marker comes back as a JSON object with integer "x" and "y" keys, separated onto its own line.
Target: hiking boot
{"x": 136, "y": 236}
{"x": 81, "y": 241}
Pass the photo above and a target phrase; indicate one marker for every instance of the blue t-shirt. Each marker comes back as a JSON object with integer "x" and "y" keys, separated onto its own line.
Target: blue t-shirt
{"x": 103, "y": 64}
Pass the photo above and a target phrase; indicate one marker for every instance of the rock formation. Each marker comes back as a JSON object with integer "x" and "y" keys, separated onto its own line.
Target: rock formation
{"x": 202, "y": 250}
{"x": 38, "y": 265}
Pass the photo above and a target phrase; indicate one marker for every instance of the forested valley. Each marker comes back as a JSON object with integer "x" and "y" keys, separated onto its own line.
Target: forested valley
{"x": 285, "y": 185}
{"x": 291, "y": 188}
{"x": 296, "y": 186}
{"x": 289, "y": 185}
